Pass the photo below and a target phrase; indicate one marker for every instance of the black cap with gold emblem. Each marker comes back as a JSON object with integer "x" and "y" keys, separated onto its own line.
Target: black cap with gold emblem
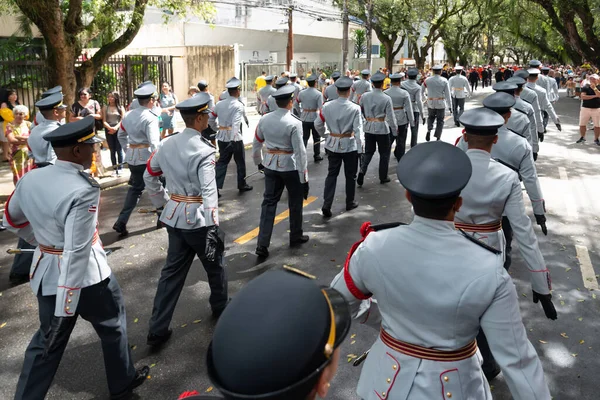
{"x": 146, "y": 91}
{"x": 484, "y": 121}
{"x": 268, "y": 345}
{"x": 51, "y": 101}
{"x": 284, "y": 92}
{"x": 81, "y": 131}
{"x": 196, "y": 104}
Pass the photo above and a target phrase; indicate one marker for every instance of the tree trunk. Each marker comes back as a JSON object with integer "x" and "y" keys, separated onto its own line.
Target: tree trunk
{"x": 389, "y": 53}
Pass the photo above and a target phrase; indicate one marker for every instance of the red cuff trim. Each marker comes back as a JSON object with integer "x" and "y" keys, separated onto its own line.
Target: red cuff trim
{"x": 213, "y": 113}
{"x": 321, "y": 115}
{"x": 149, "y": 169}
{"x": 122, "y": 127}
{"x": 365, "y": 229}
{"x": 257, "y": 138}
{"x": 7, "y": 216}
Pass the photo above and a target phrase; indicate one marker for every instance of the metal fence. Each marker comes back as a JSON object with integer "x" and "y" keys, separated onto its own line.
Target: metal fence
{"x": 27, "y": 73}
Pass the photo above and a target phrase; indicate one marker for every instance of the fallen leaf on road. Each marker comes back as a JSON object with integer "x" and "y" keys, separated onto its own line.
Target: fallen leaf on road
{"x": 332, "y": 260}
{"x": 149, "y": 377}
{"x": 133, "y": 347}
{"x": 3, "y": 325}
{"x": 183, "y": 325}
{"x": 128, "y": 263}
{"x": 543, "y": 341}
{"x": 580, "y": 301}
{"x": 144, "y": 235}
{"x": 562, "y": 302}
{"x": 589, "y": 279}
{"x": 581, "y": 341}
{"x": 352, "y": 342}
{"x": 132, "y": 246}
{"x": 593, "y": 296}
{"x": 353, "y": 336}
{"x": 135, "y": 321}
{"x": 209, "y": 389}
{"x": 568, "y": 269}
{"x": 580, "y": 319}
{"x": 574, "y": 354}
{"x": 197, "y": 321}
{"x": 162, "y": 248}
{"x": 564, "y": 335}
{"x": 523, "y": 294}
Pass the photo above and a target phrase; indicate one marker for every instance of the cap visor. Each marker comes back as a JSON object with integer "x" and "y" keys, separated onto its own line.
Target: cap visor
{"x": 61, "y": 107}
{"x": 93, "y": 140}
{"x": 341, "y": 311}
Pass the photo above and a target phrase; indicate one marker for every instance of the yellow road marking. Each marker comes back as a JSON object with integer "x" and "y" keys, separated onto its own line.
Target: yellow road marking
{"x": 587, "y": 270}
{"x": 254, "y": 232}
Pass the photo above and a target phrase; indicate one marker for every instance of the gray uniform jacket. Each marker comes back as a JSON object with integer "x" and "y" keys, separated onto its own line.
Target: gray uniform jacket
{"x": 330, "y": 93}
{"x": 139, "y": 133}
{"x": 526, "y": 109}
{"x": 263, "y": 96}
{"x": 271, "y": 104}
{"x": 553, "y": 92}
{"x": 494, "y": 190}
{"x": 188, "y": 162}
{"x": 41, "y": 149}
{"x": 459, "y": 87}
{"x": 515, "y": 151}
{"x": 416, "y": 95}
{"x": 403, "y": 110}
{"x": 519, "y": 124}
{"x": 57, "y": 207}
{"x": 545, "y": 104}
{"x": 230, "y": 114}
{"x": 378, "y": 111}
{"x": 359, "y": 88}
{"x": 475, "y": 291}
{"x": 530, "y": 96}
{"x": 310, "y": 100}
{"x": 297, "y": 88}
{"x": 281, "y": 133}
{"x": 342, "y": 117}
{"x": 438, "y": 92}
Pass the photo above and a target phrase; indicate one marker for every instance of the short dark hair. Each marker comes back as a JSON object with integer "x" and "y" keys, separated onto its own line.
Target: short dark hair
{"x": 84, "y": 89}
{"x": 231, "y": 91}
{"x": 144, "y": 102}
{"x": 311, "y": 83}
{"x": 432, "y": 208}
{"x": 378, "y": 85}
{"x": 283, "y": 103}
{"x": 342, "y": 91}
{"x": 188, "y": 118}
{"x": 479, "y": 140}
{"x": 48, "y": 113}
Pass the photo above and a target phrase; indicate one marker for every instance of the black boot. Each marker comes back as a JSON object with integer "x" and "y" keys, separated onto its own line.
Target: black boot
{"x": 301, "y": 240}
{"x": 360, "y": 179}
{"x": 141, "y": 375}
{"x": 262, "y": 251}
{"x": 428, "y": 136}
{"x": 154, "y": 340}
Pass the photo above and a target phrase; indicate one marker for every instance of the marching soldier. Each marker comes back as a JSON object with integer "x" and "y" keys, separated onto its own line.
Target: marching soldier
{"x": 438, "y": 99}
{"x": 297, "y": 87}
{"x": 467, "y": 290}
{"x": 552, "y": 86}
{"x": 378, "y": 111}
{"x": 279, "y": 83}
{"x": 53, "y": 111}
{"x": 284, "y": 166}
{"x": 343, "y": 144}
{"x": 317, "y": 322}
{"x": 514, "y": 151}
{"x": 39, "y": 117}
{"x": 403, "y": 112}
{"x": 459, "y": 90}
{"x": 156, "y": 109}
{"x": 230, "y": 113}
{"x": 530, "y": 96}
{"x": 416, "y": 97}
{"x": 139, "y": 133}
{"x": 522, "y": 122}
{"x": 361, "y": 86}
{"x": 56, "y": 208}
{"x": 264, "y": 94}
{"x": 208, "y": 133}
{"x": 545, "y": 105}
{"x": 331, "y": 91}
{"x": 191, "y": 214}
{"x": 311, "y": 102}
{"x": 542, "y": 82}
{"x": 492, "y": 194}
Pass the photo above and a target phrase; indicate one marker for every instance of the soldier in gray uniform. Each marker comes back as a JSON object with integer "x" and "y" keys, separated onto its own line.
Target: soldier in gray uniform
{"x": 513, "y": 151}
{"x": 39, "y": 117}
{"x": 53, "y": 110}
{"x": 459, "y": 90}
{"x": 545, "y": 104}
{"x": 139, "y": 133}
{"x": 230, "y": 113}
{"x": 56, "y": 208}
{"x": 361, "y": 86}
{"x": 331, "y": 91}
{"x": 343, "y": 144}
{"x": 530, "y": 96}
{"x": 191, "y": 214}
{"x": 521, "y": 120}
{"x": 552, "y": 86}
{"x": 438, "y": 99}
{"x": 492, "y": 194}
{"x": 297, "y": 89}
{"x": 208, "y": 133}
{"x": 264, "y": 94}
{"x": 271, "y": 102}
{"x": 416, "y": 97}
{"x": 380, "y": 122}
{"x": 426, "y": 348}
{"x": 310, "y": 100}
{"x": 284, "y": 166}
{"x": 156, "y": 108}
{"x": 402, "y": 111}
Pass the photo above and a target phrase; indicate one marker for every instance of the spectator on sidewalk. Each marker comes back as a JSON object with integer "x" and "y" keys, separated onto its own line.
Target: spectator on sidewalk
{"x": 168, "y": 101}
{"x": 8, "y": 103}
{"x": 570, "y": 87}
{"x": 590, "y": 109}
{"x": 112, "y": 115}
{"x": 79, "y": 110}
{"x": 260, "y": 82}
{"x": 16, "y": 134}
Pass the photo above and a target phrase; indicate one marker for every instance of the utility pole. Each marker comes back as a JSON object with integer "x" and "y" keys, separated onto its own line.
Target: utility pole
{"x": 290, "y": 42}
{"x": 369, "y": 33}
{"x": 345, "y": 38}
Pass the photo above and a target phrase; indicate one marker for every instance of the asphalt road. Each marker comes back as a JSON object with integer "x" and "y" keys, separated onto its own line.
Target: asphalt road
{"x": 567, "y": 347}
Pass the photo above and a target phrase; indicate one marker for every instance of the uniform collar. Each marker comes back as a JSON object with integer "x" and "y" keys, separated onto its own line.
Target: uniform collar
{"x": 68, "y": 165}
{"x": 442, "y": 225}
{"x": 343, "y": 99}
{"x": 282, "y": 111}
{"x": 479, "y": 153}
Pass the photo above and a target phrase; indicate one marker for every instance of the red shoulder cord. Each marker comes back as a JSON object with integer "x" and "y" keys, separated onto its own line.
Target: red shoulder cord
{"x": 365, "y": 229}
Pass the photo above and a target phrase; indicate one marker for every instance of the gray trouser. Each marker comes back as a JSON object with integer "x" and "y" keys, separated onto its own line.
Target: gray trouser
{"x": 436, "y": 114}
{"x": 350, "y": 161}
{"x": 102, "y": 305}
{"x": 136, "y": 188}
{"x": 400, "y": 141}
{"x": 184, "y": 245}
{"x": 22, "y": 262}
{"x": 414, "y": 130}
{"x": 275, "y": 182}
{"x": 456, "y": 104}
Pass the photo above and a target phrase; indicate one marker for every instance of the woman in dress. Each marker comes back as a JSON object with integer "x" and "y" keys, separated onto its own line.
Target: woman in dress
{"x": 168, "y": 101}
{"x": 113, "y": 114}
{"x": 16, "y": 134}
{"x": 7, "y": 105}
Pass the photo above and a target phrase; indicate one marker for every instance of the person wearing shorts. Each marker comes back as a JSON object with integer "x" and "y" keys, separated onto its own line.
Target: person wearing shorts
{"x": 590, "y": 108}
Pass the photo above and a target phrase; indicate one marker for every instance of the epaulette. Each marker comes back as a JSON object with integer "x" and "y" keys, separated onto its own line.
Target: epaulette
{"x": 90, "y": 179}
{"x": 517, "y": 133}
{"x": 480, "y": 243}
{"x": 519, "y": 110}
{"x": 506, "y": 165}
{"x": 295, "y": 116}
{"x": 208, "y": 142}
{"x": 381, "y": 227}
